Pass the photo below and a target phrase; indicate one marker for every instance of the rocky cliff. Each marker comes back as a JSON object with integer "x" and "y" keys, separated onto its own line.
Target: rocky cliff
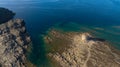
{"x": 75, "y": 49}
{"x": 14, "y": 41}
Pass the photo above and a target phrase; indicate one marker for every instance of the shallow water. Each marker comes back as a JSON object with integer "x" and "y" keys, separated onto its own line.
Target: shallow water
{"x": 101, "y": 18}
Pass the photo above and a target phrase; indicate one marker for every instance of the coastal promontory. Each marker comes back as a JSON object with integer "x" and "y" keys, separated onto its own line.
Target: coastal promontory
{"x": 80, "y": 49}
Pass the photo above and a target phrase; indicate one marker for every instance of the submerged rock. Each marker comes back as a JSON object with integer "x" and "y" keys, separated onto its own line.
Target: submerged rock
{"x": 80, "y": 50}
{"x": 14, "y": 41}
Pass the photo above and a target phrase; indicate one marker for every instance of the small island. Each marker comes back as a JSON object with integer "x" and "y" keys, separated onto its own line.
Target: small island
{"x": 79, "y": 49}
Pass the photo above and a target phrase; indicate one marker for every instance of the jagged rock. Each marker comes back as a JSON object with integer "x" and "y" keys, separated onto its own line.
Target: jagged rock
{"x": 84, "y": 51}
{"x": 14, "y": 41}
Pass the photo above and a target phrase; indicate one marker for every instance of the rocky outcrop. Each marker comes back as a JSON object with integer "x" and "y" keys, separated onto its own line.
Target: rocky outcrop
{"x": 5, "y": 15}
{"x": 80, "y": 50}
{"x": 14, "y": 42}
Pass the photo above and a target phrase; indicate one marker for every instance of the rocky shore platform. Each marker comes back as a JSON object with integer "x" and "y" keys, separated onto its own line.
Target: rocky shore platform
{"x": 80, "y": 49}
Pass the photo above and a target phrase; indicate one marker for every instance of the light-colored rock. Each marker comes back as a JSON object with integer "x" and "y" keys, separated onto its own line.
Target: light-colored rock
{"x": 84, "y": 51}
{"x": 13, "y": 42}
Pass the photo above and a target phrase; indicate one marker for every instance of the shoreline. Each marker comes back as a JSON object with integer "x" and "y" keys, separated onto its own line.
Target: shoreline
{"x": 55, "y": 54}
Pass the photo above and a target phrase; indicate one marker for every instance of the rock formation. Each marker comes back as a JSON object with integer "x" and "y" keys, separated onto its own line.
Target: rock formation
{"x": 74, "y": 49}
{"x": 14, "y": 42}
{"x": 5, "y": 15}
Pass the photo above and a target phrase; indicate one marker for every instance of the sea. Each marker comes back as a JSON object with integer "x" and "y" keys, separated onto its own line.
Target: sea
{"x": 99, "y": 17}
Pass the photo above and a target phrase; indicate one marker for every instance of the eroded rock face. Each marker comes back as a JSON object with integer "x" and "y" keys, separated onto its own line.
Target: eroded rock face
{"x": 14, "y": 41}
{"x": 84, "y": 51}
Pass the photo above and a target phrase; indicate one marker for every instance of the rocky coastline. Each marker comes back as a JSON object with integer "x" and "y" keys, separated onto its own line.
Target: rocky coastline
{"x": 14, "y": 40}
{"x": 76, "y": 49}
{"x": 64, "y": 49}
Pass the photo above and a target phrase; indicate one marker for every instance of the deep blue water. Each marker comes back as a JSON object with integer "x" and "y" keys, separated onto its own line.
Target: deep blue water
{"x": 40, "y": 15}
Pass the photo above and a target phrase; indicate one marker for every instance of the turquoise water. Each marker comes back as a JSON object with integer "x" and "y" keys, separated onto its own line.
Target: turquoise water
{"x": 101, "y": 18}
